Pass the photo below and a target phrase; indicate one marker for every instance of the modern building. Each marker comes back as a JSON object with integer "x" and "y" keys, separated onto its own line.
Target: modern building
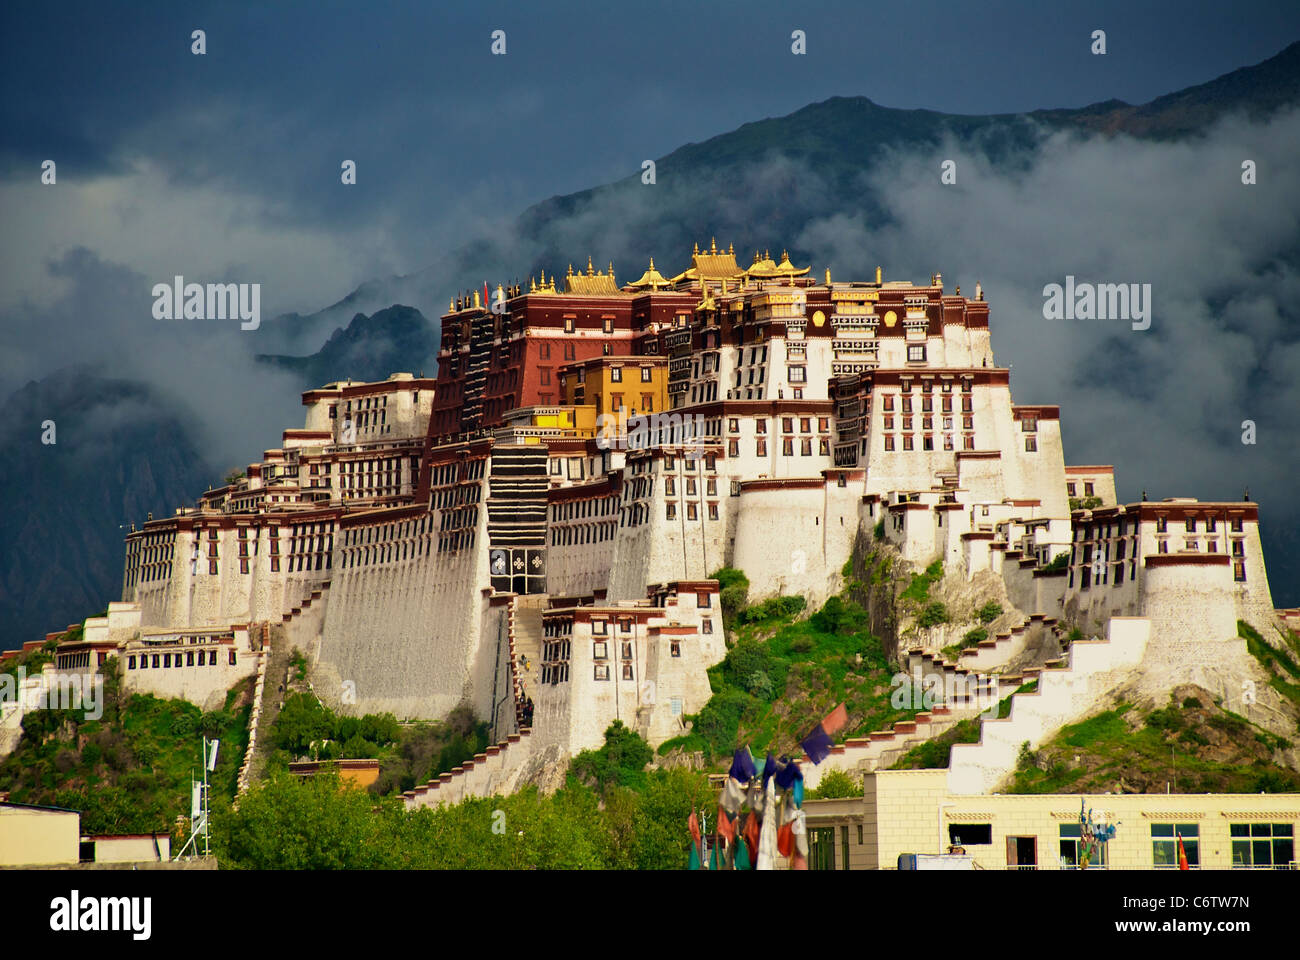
{"x": 911, "y": 811}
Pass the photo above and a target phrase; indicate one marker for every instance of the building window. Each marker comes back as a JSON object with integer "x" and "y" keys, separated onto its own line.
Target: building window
{"x": 1069, "y": 489}
{"x": 1164, "y": 845}
{"x": 1031, "y": 444}
{"x": 602, "y": 671}
{"x": 713, "y": 511}
{"x": 889, "y": 441}
{"x": 676, "y": 648}
{"x": 915, "y": 352}
{"x": 627, "y": 671}
{"x": 1029, "y": 424}
{"x": 625, "y": 626}
{"x": 706, "y": 626}
{"x": 1239, "y": 571}
{"x": 907, "y": 441}
{"x": 760, "y": 447}
{"x": 189, "y": 659}
{"x": 672, "y": 511}
{"x": 692, "y": 513}
{"x": 1070, "y": 849}
{"x": 600, "y": 627}
{"x": 600, "y": 651}
{"x": 733, "y": 447}
{"x": 1262, "y": 845}
{"x": 130, "y": 662}
{"x": 844, "y": 848}
{"x": 568, "y": 324}
{"x": 798, "y": 375}
{"x": 787, "y": 446}
{"x": 805, "y": 447}
{"x": 646, "y": 374}
{"x": 616, "y": 374}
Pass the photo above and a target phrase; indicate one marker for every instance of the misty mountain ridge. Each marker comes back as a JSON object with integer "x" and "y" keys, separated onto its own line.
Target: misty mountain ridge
{"x": 790, "y": 175}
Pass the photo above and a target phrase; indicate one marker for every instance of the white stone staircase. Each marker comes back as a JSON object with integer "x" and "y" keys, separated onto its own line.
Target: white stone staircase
{"x": 525, "y": 635}
{"x": 1094, "y": 668}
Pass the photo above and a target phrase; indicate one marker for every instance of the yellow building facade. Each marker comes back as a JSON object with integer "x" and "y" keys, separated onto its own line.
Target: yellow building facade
{"x": 613, "y": 384}
{"x": 912, "y": 812}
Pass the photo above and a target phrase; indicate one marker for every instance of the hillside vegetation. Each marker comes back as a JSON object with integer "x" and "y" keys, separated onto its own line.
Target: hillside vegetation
{"x": 785, "y": 671}
{"x": 1191, "y": 745}
{"x": 128, "y": 771}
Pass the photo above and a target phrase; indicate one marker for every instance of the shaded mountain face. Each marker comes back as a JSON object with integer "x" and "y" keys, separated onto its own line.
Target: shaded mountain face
{"x": 119, "y": 453}
{"x": 397, "y": 339}
{"x": 831, "y": 181}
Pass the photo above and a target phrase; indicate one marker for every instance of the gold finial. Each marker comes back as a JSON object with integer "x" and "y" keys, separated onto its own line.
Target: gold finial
{"x": 543, "y": 280}
{"x": 570, "y": 273}
{"x": 767, "y": 254}
{"x": 476, "y": 299}
{"x": 696, "y": 251}
{"x": 713, "y": 244}
{"x": 828, "y": 276}
{"x": 756, "y": 256}
{"x": 959, "y": 289}
{"x": 652, "y": 263}
{"x": 879, "y": 273}
{"x": 731, "y": 249}
{"x": 590, "y": 272}
{"x": 611, "y": 268}
{"x": 451, "y": 305}
{"x": 532, "y": 284}
{"x": 979, "y": 291}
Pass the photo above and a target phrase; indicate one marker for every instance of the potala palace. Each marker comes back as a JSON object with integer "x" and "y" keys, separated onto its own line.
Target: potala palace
{"x": 535, "y": 528}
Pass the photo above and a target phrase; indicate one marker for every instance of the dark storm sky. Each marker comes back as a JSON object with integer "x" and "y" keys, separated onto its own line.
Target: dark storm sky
{"x": 215, "y": 164}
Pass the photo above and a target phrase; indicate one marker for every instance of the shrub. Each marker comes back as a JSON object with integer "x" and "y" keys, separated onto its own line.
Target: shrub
{"x": 835, "y": 785}
{"x": 839, "y": 617}
{"x": 1166, "y": 719}
{"x": 1026, "y": 759}
{"x": 934, "y": 614}
{"x": 759, "y": 685}
{"x": 1059, "y": 562}
{"x": 745, "y": 659}
{"x": 773, "y": 608}
{"x": 978, "y": 635}
{"x": 1191, "y": 703}
{"x": 879, "y": 531}
{"x": 801, "y": 645}
{"x": 990, "y": 611}
{"x": 733, "y": 590}
{"x": 620, "y": 762}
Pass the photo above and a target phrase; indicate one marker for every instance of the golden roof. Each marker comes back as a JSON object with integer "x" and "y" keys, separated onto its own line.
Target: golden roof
{"x": 593, "y": 282}
{"x": 652, "y": 278}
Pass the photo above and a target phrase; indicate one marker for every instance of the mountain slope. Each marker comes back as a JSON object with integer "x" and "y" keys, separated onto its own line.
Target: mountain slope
{"x": 119, "y": 453}
{"x": 370, "y": 348}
